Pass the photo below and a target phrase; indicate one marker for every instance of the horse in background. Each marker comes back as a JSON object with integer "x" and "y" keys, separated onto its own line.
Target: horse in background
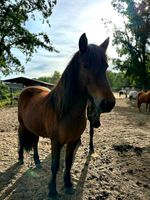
{"x": 123, "y": 92}
{"x": 143, "y": 97}
{"x": 60, "y": 114}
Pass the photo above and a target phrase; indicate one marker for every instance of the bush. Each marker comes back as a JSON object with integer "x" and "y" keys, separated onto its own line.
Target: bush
{"x": 5, "y": 95}
{"x": 4, "y": 91}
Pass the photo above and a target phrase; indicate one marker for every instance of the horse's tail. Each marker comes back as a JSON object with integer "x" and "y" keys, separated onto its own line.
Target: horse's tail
{"x": 26, "y": 138}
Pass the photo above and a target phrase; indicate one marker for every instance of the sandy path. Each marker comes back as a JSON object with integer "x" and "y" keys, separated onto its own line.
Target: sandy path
{"x": 118, "y": 170}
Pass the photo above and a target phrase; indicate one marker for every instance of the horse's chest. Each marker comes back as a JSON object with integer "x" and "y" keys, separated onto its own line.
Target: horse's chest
{"x": 70, "y": 129}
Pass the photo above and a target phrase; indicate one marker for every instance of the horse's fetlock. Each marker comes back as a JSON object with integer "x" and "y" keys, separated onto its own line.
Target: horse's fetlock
{"x": 53, "y": 194}
{"x": 67, "y": 180}
{"x": 69, "y": 190}
{"x": 20, "y": 161}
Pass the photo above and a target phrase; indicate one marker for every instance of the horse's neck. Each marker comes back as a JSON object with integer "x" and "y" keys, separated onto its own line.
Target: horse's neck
{"x": 68, "y": 97}
{"x": 71, "y": 101}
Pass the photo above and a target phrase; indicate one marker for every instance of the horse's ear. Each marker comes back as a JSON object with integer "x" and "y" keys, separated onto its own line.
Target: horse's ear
{"x": 83, "y": 42}
{"x": 104, "y": 45}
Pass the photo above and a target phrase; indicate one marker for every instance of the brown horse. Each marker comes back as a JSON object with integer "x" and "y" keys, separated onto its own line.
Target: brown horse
{"x": 143, "y": 97}
{"x": 60, "y": 114}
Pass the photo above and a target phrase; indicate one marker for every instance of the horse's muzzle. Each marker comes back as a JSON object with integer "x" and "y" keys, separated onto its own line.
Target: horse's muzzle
{"x": 106, "y": 105}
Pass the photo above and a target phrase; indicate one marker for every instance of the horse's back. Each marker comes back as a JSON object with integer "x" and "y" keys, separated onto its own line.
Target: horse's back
{"x": 144, "y": 96}
{"x": 33, "y": 91}
{"x": 148, "y": 96}
{"x": 140, "y": 94}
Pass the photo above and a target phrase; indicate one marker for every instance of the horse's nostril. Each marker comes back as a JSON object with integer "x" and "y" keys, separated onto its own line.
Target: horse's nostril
{"x": 107, "y": 105}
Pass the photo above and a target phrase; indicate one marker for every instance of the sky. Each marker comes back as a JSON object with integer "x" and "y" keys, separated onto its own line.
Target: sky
{"x": 69, "y": 20}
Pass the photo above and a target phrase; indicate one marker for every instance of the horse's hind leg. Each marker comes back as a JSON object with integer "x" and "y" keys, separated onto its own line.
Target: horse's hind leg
{"x": 91, "y": 138}
{"x": 68, "y": 161}
{"x": 21, "y": 149}
{"x": 27, "y": 141}
{"x": 36, "y": 155}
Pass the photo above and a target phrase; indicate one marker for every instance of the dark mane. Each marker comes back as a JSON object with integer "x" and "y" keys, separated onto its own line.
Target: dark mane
{"x": 62, "y": 96}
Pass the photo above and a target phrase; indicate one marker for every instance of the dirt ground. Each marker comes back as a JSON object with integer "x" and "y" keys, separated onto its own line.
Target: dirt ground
{"x": 118, "y": 170}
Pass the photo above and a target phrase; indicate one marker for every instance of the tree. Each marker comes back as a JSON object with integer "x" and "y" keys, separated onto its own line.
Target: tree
{"x": 4, "y": 91}
{"x": 14, "y": 34}
{"x": 118, "y": 80}
{"x": 54, "y": 78}
{"x": 132, "y": 42}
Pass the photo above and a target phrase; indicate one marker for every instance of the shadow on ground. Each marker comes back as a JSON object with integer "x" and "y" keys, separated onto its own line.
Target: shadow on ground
{"x": 33, "y": 183}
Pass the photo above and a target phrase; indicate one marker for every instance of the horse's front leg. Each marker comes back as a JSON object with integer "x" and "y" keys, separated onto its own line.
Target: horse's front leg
{"x": 56, "y": 147}
{"x": 68, "y": 161}
{"x": 91, "y": 138}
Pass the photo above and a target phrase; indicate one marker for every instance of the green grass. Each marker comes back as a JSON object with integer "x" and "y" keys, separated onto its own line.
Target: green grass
{"x": 4, "y": 102}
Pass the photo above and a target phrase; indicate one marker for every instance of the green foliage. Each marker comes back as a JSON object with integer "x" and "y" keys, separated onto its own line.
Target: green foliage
{"x": 132, "y": 42}
{"x": 118, "y": 80}
{"x": 4, "y": 91}
{"x": 55, "y": 77}
{"x": 5, "y": 95}
{"x": 51, "y": 79}
{"x": 14, "y": 34}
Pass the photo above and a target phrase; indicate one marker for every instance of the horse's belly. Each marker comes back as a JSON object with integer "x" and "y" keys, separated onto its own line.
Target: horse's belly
{"x": 33, "y": 121}
{"x": 35, "y": 127}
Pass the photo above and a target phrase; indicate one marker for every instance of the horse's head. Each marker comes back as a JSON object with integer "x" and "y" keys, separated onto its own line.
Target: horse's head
{"x": 92, "y": 73}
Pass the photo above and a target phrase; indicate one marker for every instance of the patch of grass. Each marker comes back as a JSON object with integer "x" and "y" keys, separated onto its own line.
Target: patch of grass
{"x": 4, "y": 102}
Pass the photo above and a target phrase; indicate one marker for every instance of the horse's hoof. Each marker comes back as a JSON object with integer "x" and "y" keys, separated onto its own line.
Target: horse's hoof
{"x": 54, "y": 198}
{"x": 53, "y": 195}
{"x": 20, "y": 162}
{"x": 69, "y": 190}
{"x": 91, "y": 150}
{"x": 38, "y": 166}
